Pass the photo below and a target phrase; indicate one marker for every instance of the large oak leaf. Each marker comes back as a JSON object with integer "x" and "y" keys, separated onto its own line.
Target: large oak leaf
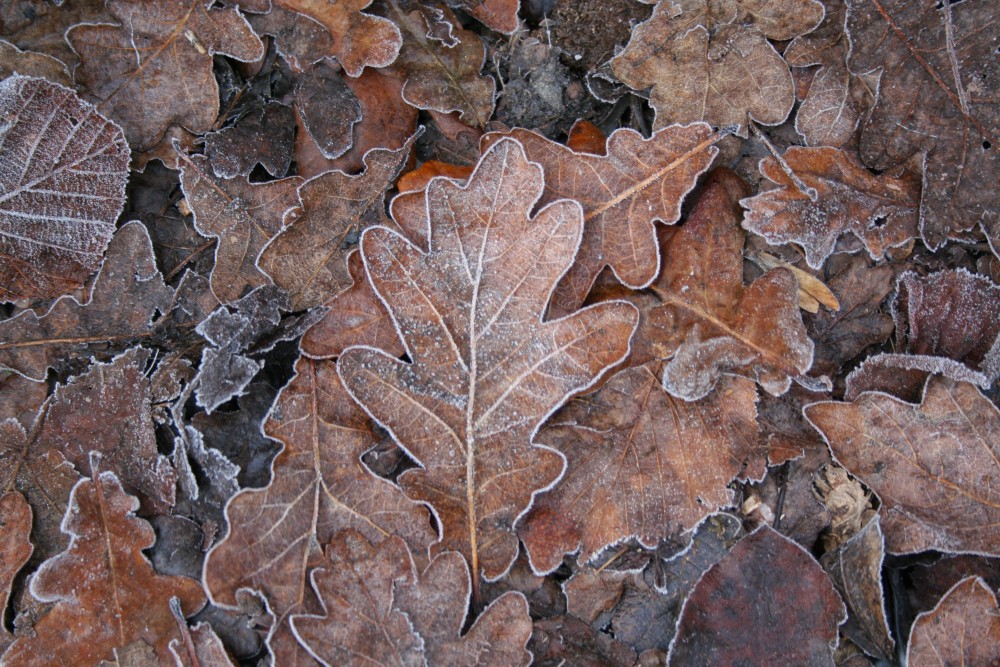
{"x": 934, "y": 465}
{"x": 486, "y": 369}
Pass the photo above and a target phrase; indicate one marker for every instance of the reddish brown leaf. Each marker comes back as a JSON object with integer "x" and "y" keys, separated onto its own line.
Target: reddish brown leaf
{"x": 499, "y": 15}
{"x": 565, "y": 640}
{"x": 15, "y": 61}
{"x": 641, "y": 464}
{"x": 243, "y": 216}
{"x": 155, "y": 68}
{"x": 205, "y": 649}
{"x": 486, "y": 370}
{"x": 933, "y": 465}
{"x": 105, "y": 593}
{"x": 879, "y": 210}
{"x": 62, "y": 185}
{"x": 585, "y": 137}
{"x": 319, "y": 487}
{"x": 265, "y": 136}
{"x": 904, "y": 375}
{"x": 963, "y": 629}
{"x": 15, "y": 549}
{"x": 937, "y": 68}
{"x": 20, "y": 398}
{"x": 637, "y": 182}
{"x": 767, "y": 602}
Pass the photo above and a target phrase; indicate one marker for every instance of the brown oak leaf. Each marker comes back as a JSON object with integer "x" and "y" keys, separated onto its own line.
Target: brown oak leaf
{"x": 499, "y": 15}
{"x": 319, "y": 487}
{"x": 963, "y": 629}
{"x": 264, "y": 136}
{"x": 15, "y": 61}
{"x": 933, "y": 465}
{"x": 241, "y": 215}
{"x": 62, "y": 185}
{"x": 15, "y": 549}
{"x": 711, "y": 61}
{"x": 486, "y": 369}
{"x": 328, "y": 109}
{"x": 623, "y": 191}
{"x": 766, "y": 602}
{"x": 881, "y": 210}
{"x": 126, "y": 293}
{"x": 154, "y": 69}
{"x": 938, "y": 73}
{"x": 106, "y": 594}
{"x": 641, "y": 464}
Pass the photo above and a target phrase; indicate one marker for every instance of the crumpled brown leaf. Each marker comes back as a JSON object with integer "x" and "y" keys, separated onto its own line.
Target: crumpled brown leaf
{"x": 963, "y": 629}
{"x": 15, "y": 549}
{"x": 154, "y": 69}
{"x": 106, "y": 593}
{"x": 933, "y": 465}
{"x": 486, "y": 370}
{"x": 881, "y": 210}
{"x": 62, "y": 185}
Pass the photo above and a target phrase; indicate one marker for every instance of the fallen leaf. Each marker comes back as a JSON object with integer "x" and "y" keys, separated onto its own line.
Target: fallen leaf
{"x": 319, "y": 487}
{"x": 15, "y": 61}
{"x": 205, "y": 649}
{"x": 499, "y": 15}
{"x": 105, "y": 593}
{"x": 20, "y": 398}
{"x": 905, "y": 375}
{"x": 486, "y": 369}
{"x": 933, "y": 465}
{"x": 931, "y": 581}
{"x": 15, "y": 549}
{"x": 963, "y": 629}
{"x": 265, "y": 136}
{"x": 127, "y": 292}
{"x": 637, "y": 182}
{"x": 766, "y": 602}
{"x": 641, "y": 464}
{"x": 62, "y": 185}
{"x": 328, "y": 108}
{"x": 241, "y": 215}
{"x": 565, "y": 640}
{"x": 881, "y": 210}
{"x": 154, "y": 69}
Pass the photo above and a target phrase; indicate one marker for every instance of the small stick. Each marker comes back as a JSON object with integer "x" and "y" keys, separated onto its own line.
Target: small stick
{"x": 798, "y": 182}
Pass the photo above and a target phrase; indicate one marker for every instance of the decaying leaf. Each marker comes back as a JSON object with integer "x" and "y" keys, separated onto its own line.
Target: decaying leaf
{"x": 15, "y": 549}
{"x": 963, "y": 629}
{"x": 486, "y": 369}
{"x": 934, "y": 465}
{"x": 28, "y": 63}
{"x": 265, "y": 136}
{"x": 641, "y": 464}
{"x": 566, "y": 640}
{"x": 938, "y": 71}
{"x": 62, "y": 185}
{"x": 766, "y": 602}
{"x": 882, "y": 210}
{"x": 154, "y": 69}
{"x": 328, "y": 108}
{"x": 905, "y": 375}
{"x": 319, "y": 487}
{"x": 499, "y": 15}
{"x": 636, "y": 182}
{"x": 106, "y": 594}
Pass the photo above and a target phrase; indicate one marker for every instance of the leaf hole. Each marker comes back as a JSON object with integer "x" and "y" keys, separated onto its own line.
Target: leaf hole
{"x": 987, "y": 145}
{"x": 878, "y": 222}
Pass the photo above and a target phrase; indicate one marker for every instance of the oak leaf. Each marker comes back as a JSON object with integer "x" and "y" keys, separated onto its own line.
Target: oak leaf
{"x": 62, "y": 185}
{"x": 264, "y": 136}
{"x": 328, "y": 108}
{"x": 938, "y": 67}
{"x": 319, "y": 487}
{"x": 499, "y": 15}
{"x": 486, "y": 369}
{"x": 161, "y": 48}
{"x": 641, "y": 464}
{"x": 15, "y": 61}
{"x": 881, "y": 210}
{"x": 106, "y": 594}
{"x": 963, "y": 629}
{"x": 636, "y": 182}
{"x": 15, "y": 549}
{"x": 933, "y": 465}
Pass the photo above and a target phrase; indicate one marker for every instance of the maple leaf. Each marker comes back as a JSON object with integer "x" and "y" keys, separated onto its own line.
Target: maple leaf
{"x": 933, "y": 465}
{"x": 881, "y": 210}
{"x": 62, "y": 185}
{"x": 641, "y": 464}
{"x": 15, "y": 549}
{"x": 163, "y": 49}
{"x": 243, "y": 216}
{"x": 486, "y": 369}
{"x": 963, "y": 629}
{"x": 319, "y": 487}
{"x": 623, "y": 191}
{"x": 711, "y": 61}
{"x": 378, "y": 610}
{"x": 105, "y": 593}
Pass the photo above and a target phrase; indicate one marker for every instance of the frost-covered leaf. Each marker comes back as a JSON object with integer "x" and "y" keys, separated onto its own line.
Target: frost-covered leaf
{"x": 15, "y": 549}
{"x": 963, "y": 629}
{"x": 328, "y": 108}
{"x": 63, "y": 168}
{"x": 499, "y": 15}
{"x": 905, "y": 375}
{"x": 28, "y": 63}
{"x": 265, "y": 136}
{"x": 486, "y": 369}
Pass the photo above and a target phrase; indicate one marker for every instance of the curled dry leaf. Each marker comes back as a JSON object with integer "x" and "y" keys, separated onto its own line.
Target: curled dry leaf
{"x": 933, "y": 465}
{"x": 904, "y": 375}
{"x": 486, "y": 369}
{"x": 938, "y": 68}
{"x": 15, "y": 549}
{"x": 126, "y": 294}
{"x": 63, "y": 168}
{"x": 963, "y": 629}
{"x": 641, "y": 464}
{"x": 242, "y": 216}
{"x": 711, "y": 61}
{"x": 154, "y": 69}
{"x": 623, "y": 191}
{"x": 106, "y": 594}
{"x": 319, "y": 487}
{"x": 881, "y": 210}
{"x": 766, "y": 602}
